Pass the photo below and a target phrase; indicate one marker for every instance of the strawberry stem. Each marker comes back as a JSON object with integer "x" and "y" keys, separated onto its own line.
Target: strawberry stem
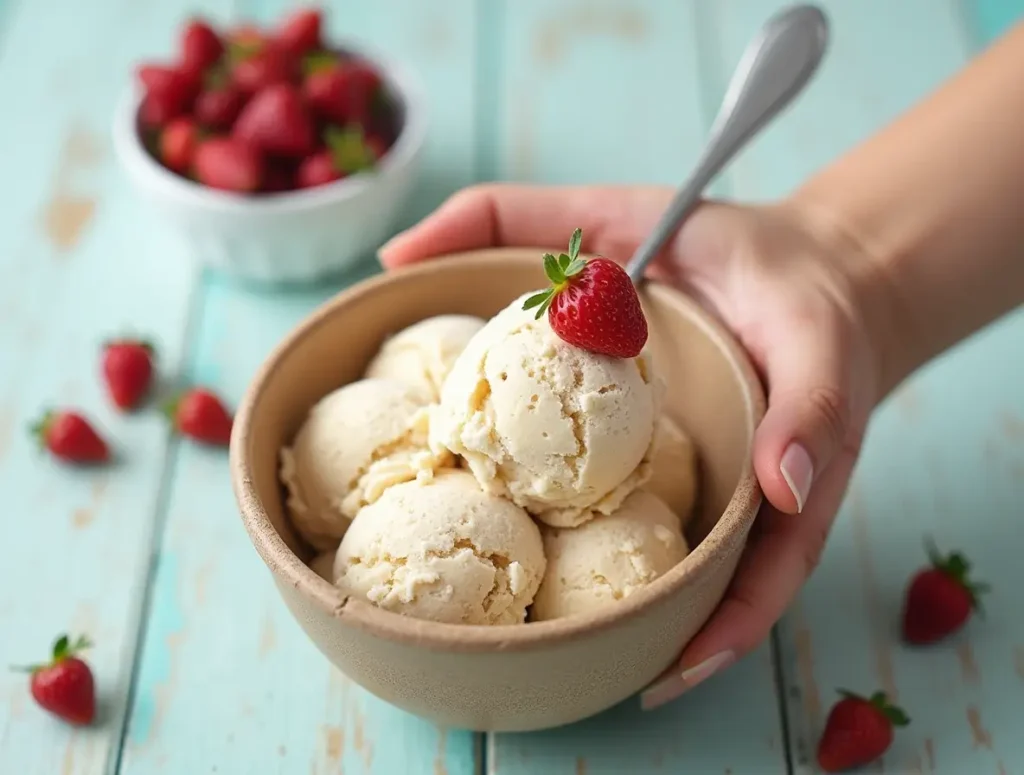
{"x": 348, "y": 149}
{"x": 39, "y": 426}
{"x": 896, "y": 715}
{"x": 559, "y": 271}
{"x": 958, "y": 568}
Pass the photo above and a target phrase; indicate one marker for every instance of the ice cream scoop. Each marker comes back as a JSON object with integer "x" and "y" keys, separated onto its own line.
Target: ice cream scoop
{"x": 562, "y": 432}
{"x": 674, "y": 469}
{"x": 443, "y": 550}
{"x": 608, "y": 558}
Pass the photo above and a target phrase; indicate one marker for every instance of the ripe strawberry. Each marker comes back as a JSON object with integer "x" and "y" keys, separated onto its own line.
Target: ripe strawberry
{"x": 227, "y": 164}
{"x": 64, "y": 686}
{"x": 200, "y": 47}
{"x": 199, "y": 414}
{"x": 858, "y": 731}
{"x": 70, "y": 437}
{"x": 218, "y": 108}
{"x": 268, "y": 66}
{"x": 940, "y": 599}
{"x": 178, "y": 144}
{"x": 276, "y": 122}
{"x": 168, "y": 90}
{"x": 591, "y": 304}
{"x": 300, "y": 32}
{"x": 316, "y": 170}
{"x": 127, "y": 366}
{"x": 344, "y": 94}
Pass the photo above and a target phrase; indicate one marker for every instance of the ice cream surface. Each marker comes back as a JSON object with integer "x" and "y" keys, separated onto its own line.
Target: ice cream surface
{"x": 422, "y": 354}
{"x": 443, "y": 550}
{"x": 560, "y": 431}
{"x": 609, "y": 557}
{"x": 674, "y": 469}
{"x": 356, "y": 442}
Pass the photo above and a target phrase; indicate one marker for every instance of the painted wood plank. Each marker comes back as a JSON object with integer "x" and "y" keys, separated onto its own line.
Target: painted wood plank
{"x": 76, "y": 265}
{"x": 228, "y": 682}
{"x": 944, "y": 457}
{"x": 990, "y": 18}
{"x": 611, "y": 92}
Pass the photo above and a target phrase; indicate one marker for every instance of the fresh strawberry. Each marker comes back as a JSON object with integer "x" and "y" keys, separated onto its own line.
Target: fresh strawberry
{"x": 70, "y": 437}
{"x": 275, "y": 121}
{"x": 591, "y": 304}
{"x": 227, "y": 164}
{"x": 127, "y": 366}
{"x": 858, "y": 731}
{"x": 268, "y": 66}
{"x": 156, "y": 112}
{"x": 169, "y": 90}
{"x": 218, "y": 108}
{"x": 65, "y": 686}
{"x": 344, "y": 94}
{"x": 316, "y": 170}
{"x": 300, "y": 32}
{"x": 200, "y": 47}
{"x": 178, "y": 144}
{"x": 940, "y": 599}
{"x": 200, "y": 415}
{"x": 349, "y": 150}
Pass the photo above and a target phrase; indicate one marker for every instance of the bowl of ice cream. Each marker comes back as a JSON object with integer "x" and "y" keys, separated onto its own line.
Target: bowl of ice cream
{"x": 480, "y": 523}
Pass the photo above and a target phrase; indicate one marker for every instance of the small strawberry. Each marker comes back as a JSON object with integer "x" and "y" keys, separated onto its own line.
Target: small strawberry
{"x": 268, "y": 66}
{"x": 227, "y": 164}
{"x": 300, "y": 32}
{"x": 65, "y": 686}
{"x": 940, "y": 599}
{"x": 70, "y": 437}
{"x": 169, "y": 88}
{"x": 344, "y": 94}
{"x": 178, "y": 142}
{"x": 316, "y": 170}
{"x": 858, "y": 731}
{"x": 592, "y": 304}
{"x": 218, "y": 108}
{"x": 200, "y": 47}
{"x": 127, "y": 366}
{"x": 276, "y": 122}
{"x": 200, "y": 415}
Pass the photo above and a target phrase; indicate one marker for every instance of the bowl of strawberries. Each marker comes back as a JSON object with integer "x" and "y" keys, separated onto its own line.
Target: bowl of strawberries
{"x": 278, "y": 156}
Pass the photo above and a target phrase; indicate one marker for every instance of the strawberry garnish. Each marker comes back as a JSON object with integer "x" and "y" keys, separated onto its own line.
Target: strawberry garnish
{"x": 591, "y": 303}
{"x": 128, "y": 371}
{"x": 64, "y": 686}
{"x": 70, "y": 437}
{"x": 940, "y": 598}
{"x": 858, "y": 731}
{"x": 199, "y": 414}
{"x": 300, "y": 32}
{"x": 178, "y": 142}
{"x": 200, "y": 47}
{"x": 276, "y": 122}
{"x": 227, "y": 164}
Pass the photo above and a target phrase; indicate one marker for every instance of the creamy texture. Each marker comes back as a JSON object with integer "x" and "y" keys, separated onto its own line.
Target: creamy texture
{"x": 444, "y": 551}
{"x": 608, "y": 558}
{"x": 356, "y": 442}
{"x": 674, "y": 469}
{"x": 422, "y": 354}
{"x": 560, "y": 431}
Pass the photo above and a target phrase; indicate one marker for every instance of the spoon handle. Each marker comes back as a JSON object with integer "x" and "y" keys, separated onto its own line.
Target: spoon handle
{"x": 775, "y": 67}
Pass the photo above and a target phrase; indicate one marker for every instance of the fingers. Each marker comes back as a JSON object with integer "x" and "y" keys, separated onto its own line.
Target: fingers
{"x": 782, "y": 553}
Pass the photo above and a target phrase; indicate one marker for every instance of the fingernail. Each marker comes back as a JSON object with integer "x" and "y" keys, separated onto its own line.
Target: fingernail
{"x": 673, "y": 685}
{"x": 798, "y": 471}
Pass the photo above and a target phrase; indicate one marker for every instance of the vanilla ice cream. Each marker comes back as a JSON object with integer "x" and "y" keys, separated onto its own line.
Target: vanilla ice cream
{"x": 443, "y": 550}
{"x": 674, "y": 469}
{"x": 562, "y": 432}
{"x": 356, "y": 442}
{"x": 608, "y": 558}
{"x": 422, "y": 354}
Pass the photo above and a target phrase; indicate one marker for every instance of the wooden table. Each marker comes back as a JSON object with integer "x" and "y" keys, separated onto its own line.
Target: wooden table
{"x": 200, "y": 667}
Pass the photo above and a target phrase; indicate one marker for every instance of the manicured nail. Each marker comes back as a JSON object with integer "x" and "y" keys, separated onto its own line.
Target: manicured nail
{"x": 798, "y": 471}
{"x": 673, "y": 685}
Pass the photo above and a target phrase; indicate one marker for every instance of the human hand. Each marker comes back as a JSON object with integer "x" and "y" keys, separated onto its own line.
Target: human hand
{"x": 800, "y": 298}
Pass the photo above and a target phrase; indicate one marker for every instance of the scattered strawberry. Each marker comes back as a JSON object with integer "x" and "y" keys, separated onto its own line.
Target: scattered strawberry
{"x": 227, "y": 164}
{"x": 592, "y": 304}
{"x": 267, "y": 67}
{"x": 218, "y": 108}
{"x": 199, "y": 414}
{"x": 70, "y": 437}
{"x": 64, "y": 686}
{"x": 940, "y": 599}
{"x": 343, "y": 94}
{"x": 316, "y": 170}
{"x": 127, "y": 366}
{"x": 200, "y": 47}
{"x": 178, "y": 144}
{"x": 300, "y": 32}
{"x": 858, "y": 731}
{"x": 275, "y": 121}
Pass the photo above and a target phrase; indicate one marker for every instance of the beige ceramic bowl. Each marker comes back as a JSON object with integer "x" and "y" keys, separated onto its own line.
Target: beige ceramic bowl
{"x": 517, "y": 677}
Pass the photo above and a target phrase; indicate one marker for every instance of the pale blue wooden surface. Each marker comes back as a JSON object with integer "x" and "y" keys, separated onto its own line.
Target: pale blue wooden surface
{"x": 150, "y": 558}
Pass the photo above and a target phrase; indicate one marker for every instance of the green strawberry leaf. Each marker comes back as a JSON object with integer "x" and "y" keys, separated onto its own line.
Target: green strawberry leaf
{"x": 318, "y": 61}
{"x": 348, "y": 149}
{"x": 553, "y": 270}
{"x": 575, "y": 241}
{"x": 536, "y": 299}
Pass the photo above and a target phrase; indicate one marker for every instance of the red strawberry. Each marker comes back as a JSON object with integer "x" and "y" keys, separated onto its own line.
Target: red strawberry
{"x": 591, "y": 304}
{"x": 300, "y": 32}
{"x": 278, "y": 177}
{"x": 268, "y": 66}
{"x": 169, "y": 89}
{"x": 344, "y": 94}
{"x": 940, "y": 599}
{"x": 316, "y": 170}
{"x": 64, "y": 686}
{"x": 218, "y": 108}
{"x": 858, "y": 731}
{"x": 178, "y": 144}
{"x": 70, "y": 437}
{"x": 199, "y": 414}
{"x": 200, "y": 47}
{"x": 128, "y": 371}
{"x": 156, "y": 112}
{"x": 276, "y": 122}
{"x": 227, "y": 164}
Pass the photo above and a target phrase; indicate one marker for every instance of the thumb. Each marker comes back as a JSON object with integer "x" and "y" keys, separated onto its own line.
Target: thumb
{"x": 809, "y": 415}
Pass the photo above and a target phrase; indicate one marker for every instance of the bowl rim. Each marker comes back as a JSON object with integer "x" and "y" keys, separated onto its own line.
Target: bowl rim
{"x": 289, "y": 569}
{"x": 412, "y": 137}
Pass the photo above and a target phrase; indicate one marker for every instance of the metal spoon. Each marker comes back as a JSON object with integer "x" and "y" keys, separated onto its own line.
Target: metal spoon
{"x": 775, "y": 67}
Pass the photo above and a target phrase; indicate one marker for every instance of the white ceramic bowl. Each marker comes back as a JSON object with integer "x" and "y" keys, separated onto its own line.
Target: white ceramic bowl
{"x": 294, "y": 237}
